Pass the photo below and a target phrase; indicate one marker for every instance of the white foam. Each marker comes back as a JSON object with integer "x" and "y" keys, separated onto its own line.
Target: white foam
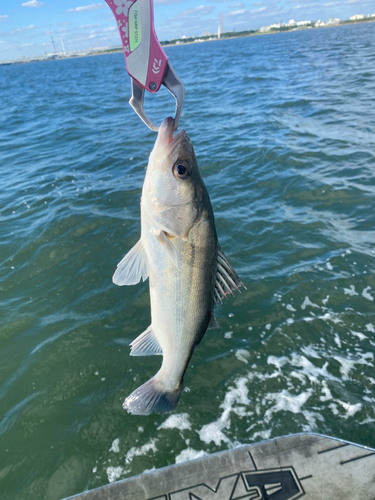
{"x": 266, "y": 434}
{"x": 328, "y": 316}
{"x": 115, "y": 446}
{"x": 360, "y": 335}
{"x": 286, "y": 402}
{"x": 310, "y": 351}
{"x": 278, "y": 362}
{"x": 291, "y": 308}
{"x": 113, "y": 473}
{"x": 350, "y": 291}
{"x": 350, "y": 409}
{"x": 189, "y": 454}
{"x": 311, "y": 418}
{"x": 149, "y": 470}
{"x": 365, "y": 293}
{"x": 307, "y": 302}
{"x": 298, "y": 375}
{"x": 136, "y": 452}
{"x": 179, "y": 421}
{"x": 324, "y": 301}
{"x": 346, "y": 366}
{"x": 338, "y": 340}
{"x": 334, "y": 409}
{"x": 327, "y": 395}
{"x": 268, "y": 326}
{"x": 311, "y": 371}
{"x": 370, "y": 327}
{"x": 242, "y": 355}
{"x": 367, "y": 420}
{"x": 228, "y": 335}
{"x": 213, "y": 432}
{"x": 329, "y": 266}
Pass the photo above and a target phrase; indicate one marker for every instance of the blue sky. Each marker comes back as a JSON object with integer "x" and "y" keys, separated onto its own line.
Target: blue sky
{"x": 25, "y": 27}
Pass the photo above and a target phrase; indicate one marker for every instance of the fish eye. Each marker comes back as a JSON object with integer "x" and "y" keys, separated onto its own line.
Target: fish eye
{"x": 181, "y": 169}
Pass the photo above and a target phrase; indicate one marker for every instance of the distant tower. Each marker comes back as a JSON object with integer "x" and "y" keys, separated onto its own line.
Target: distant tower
{"x": 62, "y": 44}
{"x": 220, "y": 28}
{"x": 53, "y": 43}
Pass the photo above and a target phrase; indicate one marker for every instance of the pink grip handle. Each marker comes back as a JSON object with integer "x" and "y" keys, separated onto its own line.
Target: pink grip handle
{"x": 146, "y": 61}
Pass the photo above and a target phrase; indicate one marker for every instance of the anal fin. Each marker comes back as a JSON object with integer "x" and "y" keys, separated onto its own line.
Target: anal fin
{"x": 146, "y": 344}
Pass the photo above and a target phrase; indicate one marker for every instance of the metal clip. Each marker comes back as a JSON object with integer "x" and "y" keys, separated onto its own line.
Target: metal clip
{"x": 175, "y": 87}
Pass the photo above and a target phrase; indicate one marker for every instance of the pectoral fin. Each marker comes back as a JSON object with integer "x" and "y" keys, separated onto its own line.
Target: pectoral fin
{"x": 133, "y": 267}
{"x": 169, "y": 248}
{"x": 226, "y": 278}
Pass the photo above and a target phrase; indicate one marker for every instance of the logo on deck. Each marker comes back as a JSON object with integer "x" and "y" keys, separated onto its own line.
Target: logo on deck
{"x": 270, "y": 484}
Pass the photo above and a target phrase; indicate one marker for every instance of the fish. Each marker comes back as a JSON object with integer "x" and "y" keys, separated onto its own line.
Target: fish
{"x": 188, "y": 272}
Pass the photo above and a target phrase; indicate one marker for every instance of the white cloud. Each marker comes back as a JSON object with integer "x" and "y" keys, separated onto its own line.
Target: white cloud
{"x": 3, "y": 19}
{"x": 201, "y": 10}
{"x": 238, "y": 12}
{"x": 112, "y": 28}
{"x": 32, "y": 3}
{"x": 89, "y": 26}
{"x": 256, "y": 11}
{"x": 93, "y": 6}
{"x": 26, "y": 28}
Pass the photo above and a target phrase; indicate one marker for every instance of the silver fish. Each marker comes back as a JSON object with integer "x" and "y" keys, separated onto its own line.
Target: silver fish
{"x": 188, "y": 272}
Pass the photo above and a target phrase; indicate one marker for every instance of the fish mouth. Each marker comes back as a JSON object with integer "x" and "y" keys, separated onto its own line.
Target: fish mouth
{"x": 165, "y": 140}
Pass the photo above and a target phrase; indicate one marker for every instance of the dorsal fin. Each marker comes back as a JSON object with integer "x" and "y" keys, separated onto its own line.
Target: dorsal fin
{"x": 226, "y": 278}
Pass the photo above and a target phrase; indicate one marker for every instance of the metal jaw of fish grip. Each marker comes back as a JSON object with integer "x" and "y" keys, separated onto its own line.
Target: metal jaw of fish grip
{"x": 146, "y": 62}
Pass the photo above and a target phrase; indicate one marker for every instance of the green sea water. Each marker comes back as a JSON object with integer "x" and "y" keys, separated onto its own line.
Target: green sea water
{"x": 284, "y": 132}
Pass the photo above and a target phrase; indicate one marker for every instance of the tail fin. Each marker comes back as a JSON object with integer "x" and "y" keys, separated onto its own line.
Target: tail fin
{"x": 150, "y": 397}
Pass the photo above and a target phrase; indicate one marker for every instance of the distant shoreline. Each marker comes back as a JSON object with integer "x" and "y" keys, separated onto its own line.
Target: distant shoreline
{"x": 275, "y": 31}
{"x": 185, "y": 41}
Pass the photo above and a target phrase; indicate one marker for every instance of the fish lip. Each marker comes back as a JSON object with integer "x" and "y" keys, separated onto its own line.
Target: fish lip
{"x": 165, "y": 139}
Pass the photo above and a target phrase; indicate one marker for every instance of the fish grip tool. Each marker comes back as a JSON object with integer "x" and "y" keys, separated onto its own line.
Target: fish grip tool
{"x": 146, "y": 61}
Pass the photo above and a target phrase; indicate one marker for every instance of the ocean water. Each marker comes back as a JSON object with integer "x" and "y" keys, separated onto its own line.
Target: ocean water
{"x": 284, "y": 131}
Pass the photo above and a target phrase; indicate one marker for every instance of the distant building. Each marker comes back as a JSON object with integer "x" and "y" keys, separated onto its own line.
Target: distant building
{"x": 303, "y": 23}
{"x": 357, "y": 17}
{"x": 319, "y": 24}
{"x": 291, "y": 22}
{"x": 275, "y": 26}
{"x": 333, "y": 20}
